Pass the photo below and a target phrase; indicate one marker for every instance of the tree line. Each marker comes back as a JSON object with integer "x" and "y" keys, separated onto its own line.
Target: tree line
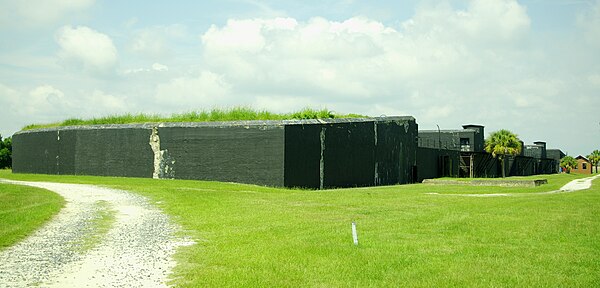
{"x": 568, "y": 162}
{"x": 503, "y": 143}
{"x": 5, "y": 153}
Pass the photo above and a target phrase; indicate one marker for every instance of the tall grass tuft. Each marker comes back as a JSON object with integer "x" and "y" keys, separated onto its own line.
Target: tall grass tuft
{"x": 313, "y": 114}
{"x": 217, "y": 114}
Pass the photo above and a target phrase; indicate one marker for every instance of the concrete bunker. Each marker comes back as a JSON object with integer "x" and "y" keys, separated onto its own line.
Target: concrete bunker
{"x": 292, "y": 153}
{"x": 460, "y": 153}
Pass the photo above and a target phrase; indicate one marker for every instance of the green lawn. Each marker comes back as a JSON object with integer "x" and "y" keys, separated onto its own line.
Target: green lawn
{"x": 24, "y": 209}
{"x": 256, "y": 236}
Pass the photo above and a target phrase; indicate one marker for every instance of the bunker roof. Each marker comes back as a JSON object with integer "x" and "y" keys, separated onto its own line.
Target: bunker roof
{"x": 248, "y": 123}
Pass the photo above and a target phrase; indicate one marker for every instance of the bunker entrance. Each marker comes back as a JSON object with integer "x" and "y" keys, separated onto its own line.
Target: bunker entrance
{"x": 445, "y": 167}
{"x": 466, "y": 166}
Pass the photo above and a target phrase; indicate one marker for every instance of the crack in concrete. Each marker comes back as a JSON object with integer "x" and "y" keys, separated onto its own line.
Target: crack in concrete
{"x": 322, "y": 160}
{"x": 163, "y": 163}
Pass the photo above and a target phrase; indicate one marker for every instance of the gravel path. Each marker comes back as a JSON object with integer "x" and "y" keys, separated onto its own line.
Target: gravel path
{"x": 579, "y": 184}
{"x": 137, "y": 251}
{"x": 575, "y": 185}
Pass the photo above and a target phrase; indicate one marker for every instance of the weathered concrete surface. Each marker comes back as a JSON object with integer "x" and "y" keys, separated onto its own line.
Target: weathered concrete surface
{"x": 100, "y": 150}
{"x": 295, "y": 153}
{"x": 500, "y": 183}
{"x": 572, "y": 186}
{"x": 242, "y": 154}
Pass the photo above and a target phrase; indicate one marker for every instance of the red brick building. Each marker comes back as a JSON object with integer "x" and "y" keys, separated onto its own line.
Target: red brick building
{"x": 583, "y": 166}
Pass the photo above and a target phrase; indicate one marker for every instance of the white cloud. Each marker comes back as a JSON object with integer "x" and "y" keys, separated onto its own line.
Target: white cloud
{"x": 283, "y": 55}
{"x": 87, "y": 49}
{"x": 39, "y": 12}
{"x": 285, "y": 103}
{"x": 9, "y": 99}
{"x": 47, "y": 104}
{"x": 479, "y": 61}
{"x": 160, "y": 67}
{"x": 364, "y": 60}
{"x": 101, "y": 102}
{"x": 156, "y": 67}
{"x": 7, "y": 95}
{"x": 43, "y": 99}
{"x": 485, "y": 23}
{"x": 194, "y": 92}
{"x": 440, "y": 111}
{"x": 42, "y": 104}
{"x": 594, "y": 80}
{"x": 156, "y": 42}
{"x": 589, "y": 21}
{"x": 265, "y": 9}
{"x": 481, "y": 64}
{"x": 499, "y": 19}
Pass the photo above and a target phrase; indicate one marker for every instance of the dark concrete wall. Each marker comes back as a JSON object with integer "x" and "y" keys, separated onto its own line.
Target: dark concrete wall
{"x": 450, "y": 139}
{"x": 252, "y": 154}
{"x": 35, "y": 152}
{"x": 439, "y": 140}
{"x": 113, "y": 152}
{"x": 478, "y": 143}
{"x": 104, "y": 151}
{"x": 303, "y": 156}
{"x": 483, "y": 164}
{"x": 520, "y": 166}
{"x": 304, "y": 153}
{"x": 396, "y": 151}
{"x": 556, "y": 155}
{"x": 350, "y": 154}
{"x": 547, "y": 166}
{"x": 534, "y": 151}
{"x": 435, "y": 163}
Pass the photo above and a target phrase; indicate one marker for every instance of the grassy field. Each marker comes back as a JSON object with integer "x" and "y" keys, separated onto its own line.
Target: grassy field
{"x": 232, "y": 114}
{"x": 253, "y": 236}
{"x": 23, "y": 210}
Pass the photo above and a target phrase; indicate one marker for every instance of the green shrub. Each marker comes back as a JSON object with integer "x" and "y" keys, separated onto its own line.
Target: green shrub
{"x": 5, "y": 153}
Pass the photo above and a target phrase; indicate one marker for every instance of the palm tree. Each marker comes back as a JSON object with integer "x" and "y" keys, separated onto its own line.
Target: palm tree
{"x": 568, "y": 163}
{"x": 502, "y": 143}
{"x": 594, "y": 158}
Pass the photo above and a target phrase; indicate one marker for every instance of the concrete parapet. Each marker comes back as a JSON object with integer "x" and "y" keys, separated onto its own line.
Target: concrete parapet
{"x": 495, "y": 182}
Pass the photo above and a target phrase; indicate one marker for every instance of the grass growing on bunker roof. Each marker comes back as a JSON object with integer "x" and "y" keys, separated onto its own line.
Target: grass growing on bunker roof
{"x": 230, "y": 114}
{"x": 253, "y": 236}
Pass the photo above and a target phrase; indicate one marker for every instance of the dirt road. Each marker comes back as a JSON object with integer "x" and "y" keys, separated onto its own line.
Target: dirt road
{"x": 135, "y": 250}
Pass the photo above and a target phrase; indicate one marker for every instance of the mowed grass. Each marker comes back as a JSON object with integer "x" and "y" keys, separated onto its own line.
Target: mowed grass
{"x": 251, "y": 236}
{"x": 23, "y": 209}
{"x": 226, "y": 114}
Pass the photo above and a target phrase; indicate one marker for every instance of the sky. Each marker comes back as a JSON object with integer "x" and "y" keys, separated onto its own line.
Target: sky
{"x": 532, "y": 67}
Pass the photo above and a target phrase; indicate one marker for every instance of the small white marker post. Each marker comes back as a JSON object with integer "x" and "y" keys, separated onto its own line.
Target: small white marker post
{"x": 354, "y": 234}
